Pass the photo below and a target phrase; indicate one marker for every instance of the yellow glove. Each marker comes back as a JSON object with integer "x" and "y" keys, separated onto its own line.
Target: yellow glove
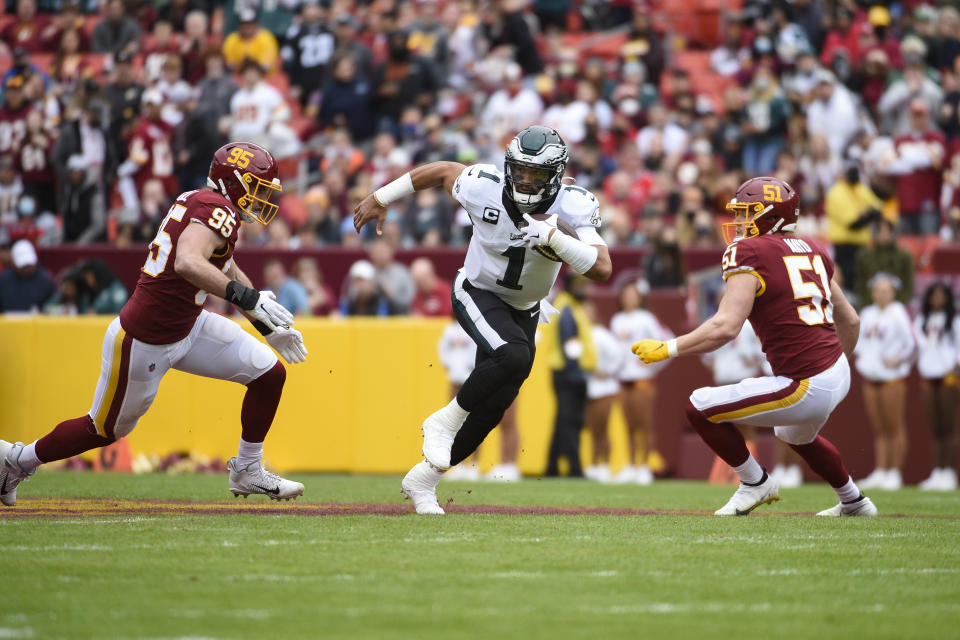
{"x": 651, "y": 351}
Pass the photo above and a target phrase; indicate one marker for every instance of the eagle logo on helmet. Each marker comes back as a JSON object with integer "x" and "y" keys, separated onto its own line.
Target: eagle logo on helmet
{"x": 761, "y": 206}
{"x": 246, "y": 175}
{"x": 533, "y": 168}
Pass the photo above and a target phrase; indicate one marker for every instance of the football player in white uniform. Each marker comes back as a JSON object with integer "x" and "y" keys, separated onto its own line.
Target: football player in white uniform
{"x": 497, "y": 295}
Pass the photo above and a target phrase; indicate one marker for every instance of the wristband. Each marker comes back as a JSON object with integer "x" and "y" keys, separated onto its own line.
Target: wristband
{"x": 672, "y": 351}
{"x": 261, "y": 327}
{"x": 579, "y": 255}
{"x": 399, "y": 188}
{"x": 241, "y": 295}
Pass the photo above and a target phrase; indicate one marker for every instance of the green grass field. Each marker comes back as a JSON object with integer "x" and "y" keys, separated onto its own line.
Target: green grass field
{"x": 252, "y": 575}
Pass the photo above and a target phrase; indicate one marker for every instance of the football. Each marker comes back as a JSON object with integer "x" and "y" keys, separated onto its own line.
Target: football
{"x": 563, "y": 226}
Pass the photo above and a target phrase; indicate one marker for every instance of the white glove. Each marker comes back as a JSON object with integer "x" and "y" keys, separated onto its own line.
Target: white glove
{"x": 270, "y": 312}
{"x": 538, "y": 231}
{"x": 288, "y": 342}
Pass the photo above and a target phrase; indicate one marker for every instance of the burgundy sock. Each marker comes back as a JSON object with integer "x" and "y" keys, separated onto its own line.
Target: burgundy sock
{"x": 824, "y": 458}
{"x": 70, "y": 438}
{"x": 724, "y": 438}
{"x": 260, "y": 403}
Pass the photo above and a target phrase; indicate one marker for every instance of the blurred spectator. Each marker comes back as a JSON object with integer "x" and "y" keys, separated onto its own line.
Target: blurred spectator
{"x": 290, "y": 292}
{"x": 920, "y": 153}
{"x": 259, "y": 114}
{"x": 883, "y": 357}
{"x": 346, "y": 100}
{"x": 661, "y": 142}
{"x": 766, "y": 124}
{"x": 393, "y": 278}
{"x": 196, "y": 139}
{"x": 149, "y": 163}
{"x": 663, "y": 266}
{"x": 26, "y": 29}
{"x": 123, "y": 93}
{"x": 193, "y": 46}
{"x": 552, "y": 14}
{"x": 308, "y": 47}
{"x": 362, "y": 296}
{"x": 217, "y": 87}
{"x": 11, "y": 188}
{"x": 573, "y": 356}
{"x": 729, "y": 57}
{"x": 428, "y": 39}
{"x": 433, "y": 294}
{"x": 13, "y": 115}
{"x": 645, "y": 44}
{"x": 937, "y": 328}
{"x": 27, "y": 286}
{"x": 428, "y": 219}
{"x": 897, "y": 103}
{"x": 106, "y": 295}
{"x": 832, "y": 113}
{"x": 117, "y": 32}
{"x": 176, "y": 12}
{"x": 81, "y": 204}
{"x": 33, "y": 163}
{"x": 401, "y": 81}
{"x": 850, "y": 206}
{"x": 505, "y": 28}
{"x": 820, "y": 168}
{"x": 884, "y": 257}
{"x": 320, "y": 298}
{"x": 345, "y": 34}
{"x": 514, "y": 106}
{"x": 250, "y": 42}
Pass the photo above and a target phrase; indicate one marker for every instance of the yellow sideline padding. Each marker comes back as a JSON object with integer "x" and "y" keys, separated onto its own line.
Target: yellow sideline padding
{"x": 356, "y": 405}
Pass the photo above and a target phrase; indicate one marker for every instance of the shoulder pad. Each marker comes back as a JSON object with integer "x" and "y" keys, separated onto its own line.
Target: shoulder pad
{"x": 578, "y": 206}
{"x": 477, "y": 183}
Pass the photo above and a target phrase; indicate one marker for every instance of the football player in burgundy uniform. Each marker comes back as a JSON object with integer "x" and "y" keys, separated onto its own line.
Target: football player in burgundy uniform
{"x": 164, "y": 326}
{"x": 785, "y": 286}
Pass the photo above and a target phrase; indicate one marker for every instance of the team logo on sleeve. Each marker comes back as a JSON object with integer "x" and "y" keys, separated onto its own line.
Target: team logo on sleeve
{"x": 491, "y": 215}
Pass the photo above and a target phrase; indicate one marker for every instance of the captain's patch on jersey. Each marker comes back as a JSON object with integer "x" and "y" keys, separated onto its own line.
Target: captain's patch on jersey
{"x": 491, "y": 215}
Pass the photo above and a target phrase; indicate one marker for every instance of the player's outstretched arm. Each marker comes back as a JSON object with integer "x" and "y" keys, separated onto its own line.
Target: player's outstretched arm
{"x": 845, "y": 319}
{"x": 723, "y": 327}
{"x": 433, "y": 174}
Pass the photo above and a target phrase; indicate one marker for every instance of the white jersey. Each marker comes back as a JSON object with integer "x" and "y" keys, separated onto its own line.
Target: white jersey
{"x": 739, "y": 359}
{"x": 885, "y": 335}
{"x": 631, "y": 326}
{"x": 497, "y": 258}
{"x": 938, "y": 351}
{"x": 458, "y": 353}
{"x": 252, "y": 110}
{"x": 604, "y": 380}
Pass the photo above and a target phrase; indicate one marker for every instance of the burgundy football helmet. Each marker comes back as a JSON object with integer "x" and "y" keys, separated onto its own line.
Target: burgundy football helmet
{"x": 246, "y": 174}
{"x": 761, "y": 206}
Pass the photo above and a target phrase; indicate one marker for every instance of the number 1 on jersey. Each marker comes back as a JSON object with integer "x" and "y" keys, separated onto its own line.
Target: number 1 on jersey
{"x": 511, "y": 279}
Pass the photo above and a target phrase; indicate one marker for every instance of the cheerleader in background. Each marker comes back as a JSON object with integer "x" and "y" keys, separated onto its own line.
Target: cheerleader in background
{"x": 638, "y": 395}
{"x": 884, "y": 354}
{"x": 458, "y": 353}
{"x": 603, "y": 387}
{"x": 938, "y": 335}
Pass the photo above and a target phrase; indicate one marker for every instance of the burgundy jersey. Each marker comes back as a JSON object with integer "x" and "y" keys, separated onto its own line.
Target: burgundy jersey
{"x": 33, "y": 160}
{"x": 164, "y": 306}
{"x": 13, "y": 127}
{"x": 150, "y": 147}
{"x": 792, "y": 314}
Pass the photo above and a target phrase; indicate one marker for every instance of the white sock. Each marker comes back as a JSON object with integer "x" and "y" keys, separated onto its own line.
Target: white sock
{"x": 848, "y": 492}
{"x": 454, "y": 414}
{"x": 750, "y": 471}
{"x": 428, "y": 473}
{"x": 248, "y": 453}
{"x": 28, "y": 460}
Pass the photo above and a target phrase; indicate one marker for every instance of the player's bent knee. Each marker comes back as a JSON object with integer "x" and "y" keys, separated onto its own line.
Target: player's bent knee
{"x": 274, "y": 376}
{"x": 699, "y": 398}
{"x": 797, "y": 435}
{"x": 514, "y": 357}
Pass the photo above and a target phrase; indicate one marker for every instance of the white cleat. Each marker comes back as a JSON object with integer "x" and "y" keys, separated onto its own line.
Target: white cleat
{"x": 643, "y": 475}
{"x": 862, "y": 506}
{"x": 420, "y": 486}
{"x": 892, "y": 481}
{"x": 934, "y": 482}
{"x": 626, "y": 475}
{"x": 438, "y": 441}
{"x": 748, "y": 498}
{"x": 504, "y": 472}
{"x": 254, "y": 479}
{"x": 874, "y": 480}
{"x": 791, "y": 477}
{"x": 11, "y": 473}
